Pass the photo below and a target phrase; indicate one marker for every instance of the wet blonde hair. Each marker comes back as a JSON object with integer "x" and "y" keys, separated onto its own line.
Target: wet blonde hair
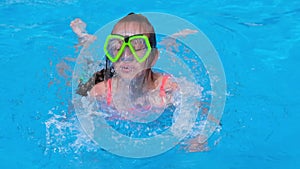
{"x": 138, "y": 18}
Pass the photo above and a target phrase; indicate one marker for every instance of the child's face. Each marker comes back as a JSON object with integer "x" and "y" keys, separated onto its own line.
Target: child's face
{"x": 127, "y": 67}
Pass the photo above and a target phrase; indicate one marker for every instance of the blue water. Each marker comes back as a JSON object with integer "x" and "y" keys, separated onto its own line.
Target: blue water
{"x": 258, "y": 43}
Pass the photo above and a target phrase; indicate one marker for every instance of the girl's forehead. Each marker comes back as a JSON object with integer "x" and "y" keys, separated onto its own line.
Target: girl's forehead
{"x": 130, "y": 28}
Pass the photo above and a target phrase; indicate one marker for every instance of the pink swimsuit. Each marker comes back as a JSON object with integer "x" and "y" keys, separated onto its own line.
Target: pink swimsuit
{"x": 162, "y": 92}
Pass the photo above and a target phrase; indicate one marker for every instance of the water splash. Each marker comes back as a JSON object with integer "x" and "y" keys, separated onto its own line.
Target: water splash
{"x": 65, "y": 135}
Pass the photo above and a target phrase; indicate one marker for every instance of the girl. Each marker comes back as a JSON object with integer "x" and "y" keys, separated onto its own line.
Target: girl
{"x": 128, "y": 80}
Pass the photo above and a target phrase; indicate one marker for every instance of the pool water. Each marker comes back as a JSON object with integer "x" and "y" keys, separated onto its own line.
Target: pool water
{"x": 258, "y": 44}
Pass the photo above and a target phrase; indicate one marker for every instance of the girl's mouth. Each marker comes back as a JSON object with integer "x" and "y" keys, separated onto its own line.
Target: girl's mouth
{"x": 126, "y": 68}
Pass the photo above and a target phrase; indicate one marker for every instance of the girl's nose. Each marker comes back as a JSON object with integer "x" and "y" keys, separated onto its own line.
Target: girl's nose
{"x": 127, "y": 55}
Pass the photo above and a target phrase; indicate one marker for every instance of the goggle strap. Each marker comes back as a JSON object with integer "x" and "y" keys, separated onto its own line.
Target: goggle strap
{"x": 152, "y": 40}
{"x": 109, "y": 70}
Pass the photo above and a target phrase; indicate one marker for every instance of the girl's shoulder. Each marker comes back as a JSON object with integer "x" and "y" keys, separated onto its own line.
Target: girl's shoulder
{"x": 167, "y": 82}
{"x": 99, "y": 89}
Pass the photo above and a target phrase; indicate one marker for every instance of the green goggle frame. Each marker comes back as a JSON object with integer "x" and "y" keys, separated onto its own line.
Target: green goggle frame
{"x": 126, "y": 41}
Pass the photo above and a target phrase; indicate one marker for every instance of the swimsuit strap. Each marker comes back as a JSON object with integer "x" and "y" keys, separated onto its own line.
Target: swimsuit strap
{"x": 162, "y": 92}
{"x": 109, "y": 93}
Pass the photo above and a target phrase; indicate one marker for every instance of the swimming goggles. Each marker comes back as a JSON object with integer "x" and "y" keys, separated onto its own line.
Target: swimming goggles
{"x": 139, "y": 46}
